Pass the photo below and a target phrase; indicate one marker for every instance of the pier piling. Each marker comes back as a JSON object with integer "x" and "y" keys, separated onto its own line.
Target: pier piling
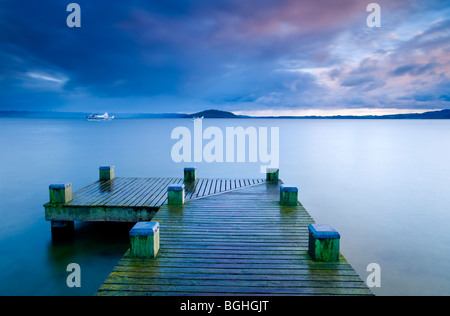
{"x": 272, "y": 175}
{"x": 106, "y": 173}
{"x": 189, "y": 175}
{"x": 144, "y": 240}
{"x": 60, "y": 193}
{"x": 175, "y": 194}
{"x": 324, "y": 243}
{"x": 288, "y": 195}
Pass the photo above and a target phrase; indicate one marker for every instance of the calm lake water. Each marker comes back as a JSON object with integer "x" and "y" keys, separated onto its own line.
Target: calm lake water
{"x": 384, "y": 184}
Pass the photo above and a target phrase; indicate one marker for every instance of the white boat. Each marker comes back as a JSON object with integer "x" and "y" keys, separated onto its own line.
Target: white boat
{"x": 99, "y": 117}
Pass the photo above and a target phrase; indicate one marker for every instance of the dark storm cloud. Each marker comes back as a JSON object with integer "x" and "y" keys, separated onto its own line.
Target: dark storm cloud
{"x": 158, "y": 56}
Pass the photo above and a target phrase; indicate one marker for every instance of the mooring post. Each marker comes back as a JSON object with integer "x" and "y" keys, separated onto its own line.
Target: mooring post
{"x": 175, "y": 194}
{"x": 324, "y": 243}
{"x": 272, "y": 174}
{"x": 190, "y": 175}
{"x": 144, "y": 240}
{"x": 106, "y": 173}
{"x": 288, "y": 195}
{"x": 61, "y": 194}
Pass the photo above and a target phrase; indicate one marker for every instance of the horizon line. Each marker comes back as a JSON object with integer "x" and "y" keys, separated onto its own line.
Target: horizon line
{"x": 266, "y": 113}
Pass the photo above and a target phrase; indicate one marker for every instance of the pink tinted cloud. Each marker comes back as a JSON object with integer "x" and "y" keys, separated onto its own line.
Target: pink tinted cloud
{"x": 245, "y": 21}
{"x": 300, "y": 16}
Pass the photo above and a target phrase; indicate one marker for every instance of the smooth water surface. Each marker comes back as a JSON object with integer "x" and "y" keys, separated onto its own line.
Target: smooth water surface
{"x": 384, "y": 184}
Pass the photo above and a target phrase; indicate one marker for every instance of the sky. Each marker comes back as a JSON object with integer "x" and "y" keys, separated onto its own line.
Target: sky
{"x": 265, "y": 57}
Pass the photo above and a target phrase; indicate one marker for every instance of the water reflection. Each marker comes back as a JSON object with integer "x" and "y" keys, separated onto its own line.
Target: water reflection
{"x": 106, "y": 186}
{"x": 189, "y": 186}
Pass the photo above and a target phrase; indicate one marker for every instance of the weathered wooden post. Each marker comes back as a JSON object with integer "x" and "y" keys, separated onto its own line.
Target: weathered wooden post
{"x": 189, "y": 175}
{"x": 175, "y": 194}
{"x": 324, "y": 243}
{"x": 272, "y": 174}
{"x": 288, "y": 195}
{"x": 144, "y": 240}
{"x": 106, "y": 173}
{"x": 61, "y": 194}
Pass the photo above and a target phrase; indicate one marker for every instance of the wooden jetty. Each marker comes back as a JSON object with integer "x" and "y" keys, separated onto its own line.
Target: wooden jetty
{"x": 115, "y": 199}
{"x": 219, "y": 237}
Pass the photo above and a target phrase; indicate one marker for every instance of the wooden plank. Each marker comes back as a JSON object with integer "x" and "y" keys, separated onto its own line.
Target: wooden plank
{"x": 144, "y": 276}
{"x": 161, "y": 193}
{"x": 206, "y": 188}
{"x": 160, "y": 187}
{"x": 107, "y": 189}
{"x": 87, "y": 192}
{"x": 222, "y": 185}
{"x": 212, "y": 189}
{"x": 146, "y": 188}
{"x": 302, "y": 281}
{"x": 192, "y": 190}
{"x": 162, "y": 198}
{"x": 149, "y": 194}
{"x": 193, "y": 265}
{"x": 118, "y": 197}
{"x": 254, "y": 290}
{"x": 200, "y": 188}
{"x": 217, "y": 186}
{"x": 203, "y": 193}
{"x": 102, "y": 194}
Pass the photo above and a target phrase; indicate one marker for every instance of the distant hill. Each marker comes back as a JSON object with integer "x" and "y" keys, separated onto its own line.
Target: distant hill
{"x": 438, "y": 115}
{"x": 442, "y": 114}
{"x": 214, "y": 114}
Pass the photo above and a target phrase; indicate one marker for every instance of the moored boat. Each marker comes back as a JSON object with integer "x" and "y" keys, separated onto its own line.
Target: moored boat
{"x": 99, "y": 117}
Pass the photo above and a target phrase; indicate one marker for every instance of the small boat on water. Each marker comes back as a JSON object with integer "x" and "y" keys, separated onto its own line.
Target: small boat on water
{"x": 99, "y": 117}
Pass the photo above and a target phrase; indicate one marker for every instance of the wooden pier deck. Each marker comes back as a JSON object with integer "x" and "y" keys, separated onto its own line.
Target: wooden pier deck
{"x": 133, "y": 199}
{"x": 242, "y": 242}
